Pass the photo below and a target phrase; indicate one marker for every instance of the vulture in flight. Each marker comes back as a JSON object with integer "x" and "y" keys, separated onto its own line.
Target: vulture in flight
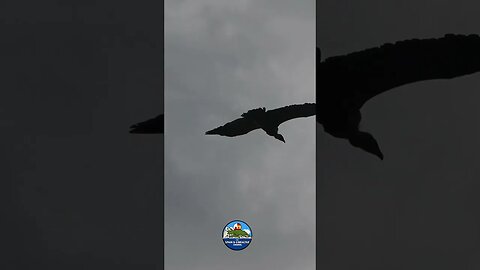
{"x": 266, "y": 120}
{"x": 345, "y": 83}
{"x": 151, "y": 126}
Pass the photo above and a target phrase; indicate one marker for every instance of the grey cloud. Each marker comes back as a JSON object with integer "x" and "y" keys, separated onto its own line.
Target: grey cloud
{"x": 221, "y": 60}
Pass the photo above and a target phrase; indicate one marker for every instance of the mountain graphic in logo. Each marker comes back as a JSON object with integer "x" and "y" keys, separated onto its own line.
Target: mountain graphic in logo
{"x": 237, "y": 235}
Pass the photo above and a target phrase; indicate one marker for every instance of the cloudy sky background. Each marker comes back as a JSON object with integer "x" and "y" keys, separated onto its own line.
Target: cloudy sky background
{"x": 79, "y": 192}
{"x": 223, "y": 58}
{"x": 417, "y": 209}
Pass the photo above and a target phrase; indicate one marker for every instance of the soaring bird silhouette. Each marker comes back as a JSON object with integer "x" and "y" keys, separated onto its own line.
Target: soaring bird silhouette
{"x": 345, "y": 83}
{"x": 151, "y": 126}
{"x": 266, "y": 120}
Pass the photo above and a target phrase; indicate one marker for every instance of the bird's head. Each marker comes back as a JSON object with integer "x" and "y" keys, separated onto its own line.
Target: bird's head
{"x": 279, "y": 137}
{"x": 366, "y": 142}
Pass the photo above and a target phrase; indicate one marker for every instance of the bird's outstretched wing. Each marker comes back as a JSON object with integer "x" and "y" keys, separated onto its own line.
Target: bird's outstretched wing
{"x": 237, "y": 127}
{"x": 151, "y": 126}
{"x": 283, "y": 114}
{"x": 365, "y": 74}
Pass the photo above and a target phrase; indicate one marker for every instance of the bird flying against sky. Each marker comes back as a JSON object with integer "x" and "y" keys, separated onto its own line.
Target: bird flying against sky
{"x": 345, "y": 83}
{"x": 263, "y": 119}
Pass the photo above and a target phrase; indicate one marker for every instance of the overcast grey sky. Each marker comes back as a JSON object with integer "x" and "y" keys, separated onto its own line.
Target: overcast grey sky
{"x": 417, "y": 209}
{"x": 77, "y": 190}
{"x": 223, "y": 58}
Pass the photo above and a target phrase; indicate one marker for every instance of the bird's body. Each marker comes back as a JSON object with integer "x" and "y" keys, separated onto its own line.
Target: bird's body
{"x": 262, "y": 119}
{"x": 259, "y": 117}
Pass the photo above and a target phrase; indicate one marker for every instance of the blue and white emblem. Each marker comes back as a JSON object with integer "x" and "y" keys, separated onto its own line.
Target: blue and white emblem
{"x": 237, "y": 235}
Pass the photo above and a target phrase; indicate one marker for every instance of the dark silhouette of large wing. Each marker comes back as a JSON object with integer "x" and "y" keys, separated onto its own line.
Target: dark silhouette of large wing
{"x": 359, "y": 76}
{"x": 151, "y": 126}
{"x": 283, "y": 114}
{"x": 237, "y": 127}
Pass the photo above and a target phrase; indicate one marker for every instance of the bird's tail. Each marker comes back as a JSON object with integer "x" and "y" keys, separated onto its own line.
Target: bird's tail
{"x": 215, "y": 131}
{"x": 152, "y": 126}
{"x": 211, "y": 132}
